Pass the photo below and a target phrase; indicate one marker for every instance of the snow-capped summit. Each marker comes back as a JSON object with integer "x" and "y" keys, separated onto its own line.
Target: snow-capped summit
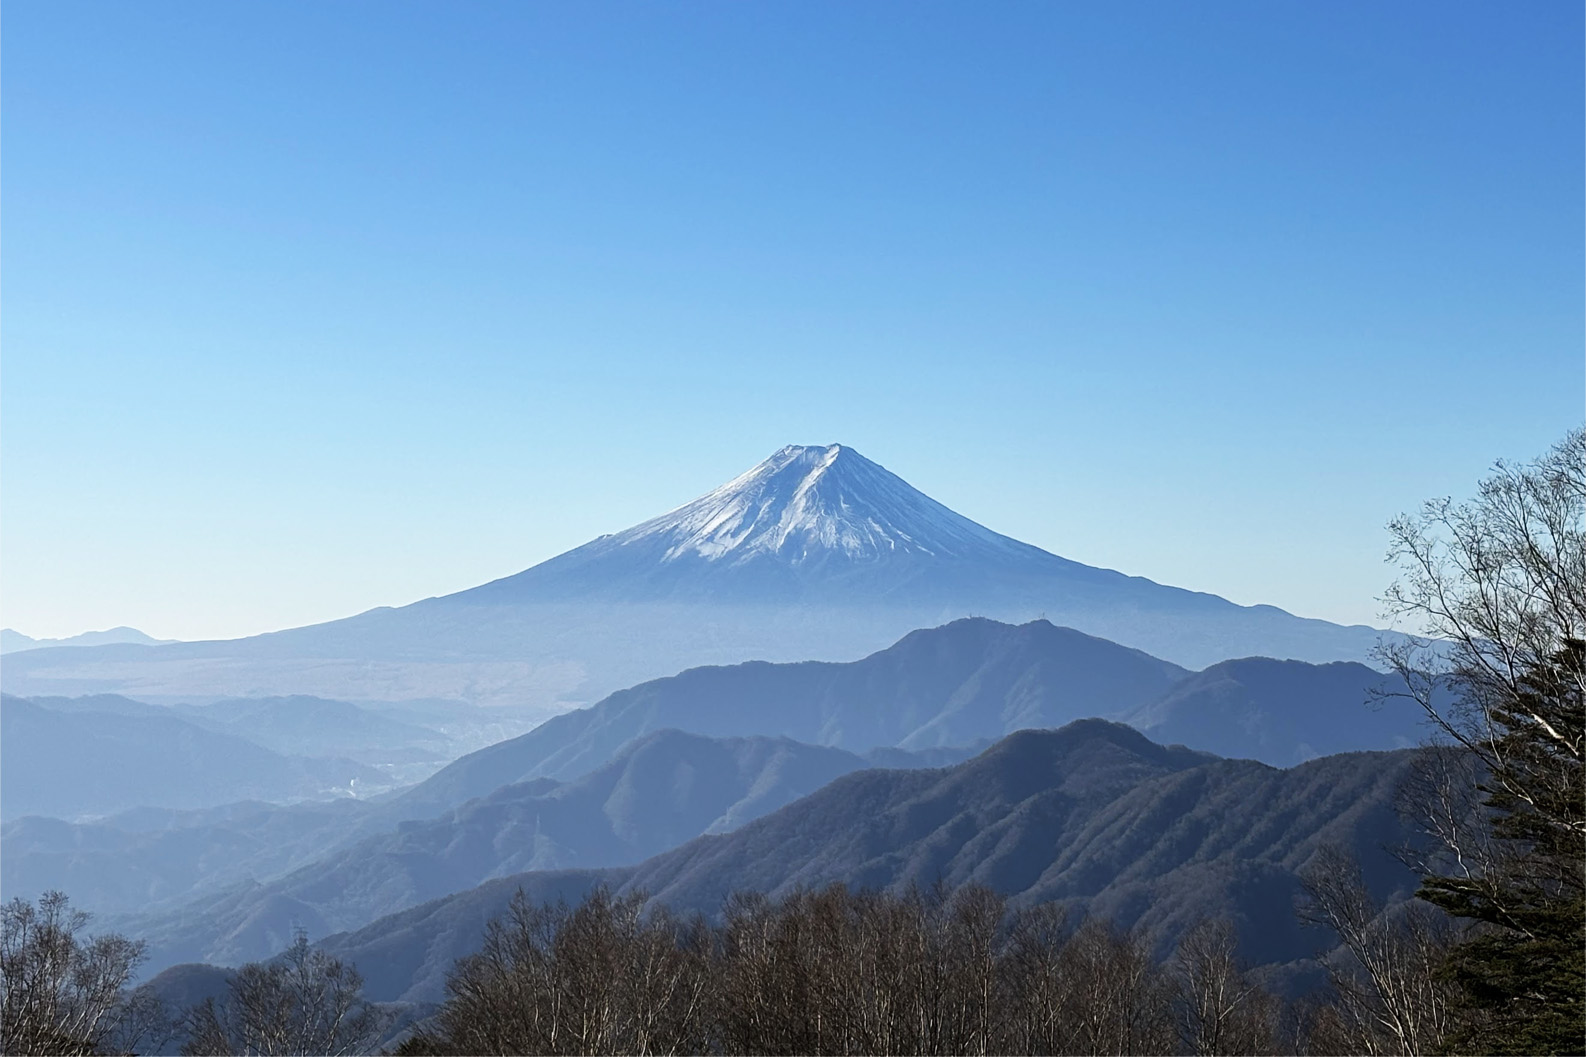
{"x": 809, "y": 522}
{"x": 806, "y": 502}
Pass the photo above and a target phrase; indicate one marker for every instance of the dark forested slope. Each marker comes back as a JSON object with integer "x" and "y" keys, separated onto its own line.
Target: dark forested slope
{"x": 1093, "y": 815}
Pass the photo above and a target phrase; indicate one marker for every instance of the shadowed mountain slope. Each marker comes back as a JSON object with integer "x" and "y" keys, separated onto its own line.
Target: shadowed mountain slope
{"x": 1093, "y": 815}
{"x": 970, "y": 680}
{"x": 1282, "y": 712}
{"x": 660, "y": 791}
{"x": 951, "y": 682}
{"x": 816, "y": 552}
{"x": 1088, "y": 814}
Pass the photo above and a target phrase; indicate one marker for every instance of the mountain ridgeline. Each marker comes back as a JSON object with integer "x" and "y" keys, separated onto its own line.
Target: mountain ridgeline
{"x": 1093, "y": 816}
{"x": 973, "y": 680}
{"x": 660, "y": 791}
{"x": 707, "y": 751}
{"x": 12, "y": 641}
{"x": 69, "y": 763}
{"x": 816, "y": 552}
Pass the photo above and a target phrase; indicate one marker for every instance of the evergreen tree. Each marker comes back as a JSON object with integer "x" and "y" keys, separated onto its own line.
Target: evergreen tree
{"x": 1523, "y": 974}
{"x": 1499, "y": 587}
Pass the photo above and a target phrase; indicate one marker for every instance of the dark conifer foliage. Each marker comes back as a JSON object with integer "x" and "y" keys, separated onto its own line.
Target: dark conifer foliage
{"x": 1521, "y": 976}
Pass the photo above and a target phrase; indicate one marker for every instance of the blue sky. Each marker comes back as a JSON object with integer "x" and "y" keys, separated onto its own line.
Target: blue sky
{"x": 315, "y": 307}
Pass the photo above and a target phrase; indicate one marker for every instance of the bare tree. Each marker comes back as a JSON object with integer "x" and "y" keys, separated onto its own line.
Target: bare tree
{"x": 1390, "y": 1000}
{"x": 1118, "y": 998}
{"x": 1220, "y": 1009}
{"x": 664, "y": 983}
{"x": 1496, "y": 588}
{"x": 603, "y": 977}
{"x": 504, "y": 998}
{"x": 751, "y": 959}
{"x": 305, "y": 1002}
{"x": 61, "y": 992}
{"x": 837, "y": 971}
{"x": 971, "y": 951}
{"x": 1038, "y": 982}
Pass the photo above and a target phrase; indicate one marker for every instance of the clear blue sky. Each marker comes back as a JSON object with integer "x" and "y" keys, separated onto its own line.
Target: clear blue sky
{"x": 315, "y": 307}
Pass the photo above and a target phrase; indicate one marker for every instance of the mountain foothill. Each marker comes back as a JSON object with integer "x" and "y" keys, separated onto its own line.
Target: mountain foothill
{"x": 814, "y": 674}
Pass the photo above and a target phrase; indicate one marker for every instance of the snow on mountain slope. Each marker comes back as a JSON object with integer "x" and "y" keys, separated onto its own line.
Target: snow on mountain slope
{"x": 803, "y": 501}
{"x": 810, "y": 523}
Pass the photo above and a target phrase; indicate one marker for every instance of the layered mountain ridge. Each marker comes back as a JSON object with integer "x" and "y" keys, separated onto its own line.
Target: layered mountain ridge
{"x": 1094, "y": 816}
{"x": 658, "y": 792}
{"x": 970, "y": 681}
{"x": 704, "y": 751}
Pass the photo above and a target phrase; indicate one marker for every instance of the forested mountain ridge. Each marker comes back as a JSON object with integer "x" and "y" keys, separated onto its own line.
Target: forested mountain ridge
{"x": 967, "y": 681}
{"x": 661, "y": 790}
{"x": 1094, "y": 816}
{"x": 1282, "y": 712}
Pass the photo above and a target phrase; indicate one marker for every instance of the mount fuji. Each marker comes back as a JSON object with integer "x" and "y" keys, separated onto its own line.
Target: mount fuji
{"x": 817, "y": 552}
{"x": 809, "y": 524}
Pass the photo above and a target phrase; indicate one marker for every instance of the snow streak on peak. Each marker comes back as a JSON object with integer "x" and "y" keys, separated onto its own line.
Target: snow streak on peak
{"x": 809, "y": 503}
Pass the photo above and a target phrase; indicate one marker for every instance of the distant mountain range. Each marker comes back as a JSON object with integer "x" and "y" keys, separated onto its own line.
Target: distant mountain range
{"x": 13, "y": 641}
{"x": 603, "y": 786}
{"x": 1094, "y": 816}
{"x": 157, "y": 859}
{"x": 72, "y": 763}
{"x": 815, "y": 553}
{"x": 968, "y": 681}
{"x": 146, "y": 858}
{"x": 610, "y": 785}
{"x": 103, "y": 754}
{"x": 1281, "y": 712}
{"x": 658, "y": 792}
